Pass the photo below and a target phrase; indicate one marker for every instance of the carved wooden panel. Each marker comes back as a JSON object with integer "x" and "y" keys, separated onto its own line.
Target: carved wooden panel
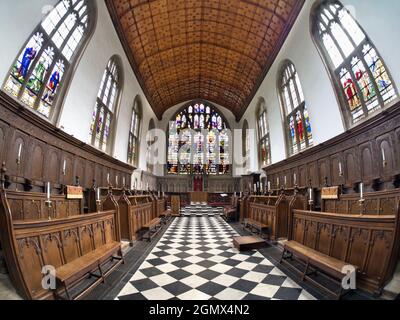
{"x": 52, "y": 167}
{"x": 366, "y": 242}
{"x": 368, "y": 162}
{"x": 37, "y": 162}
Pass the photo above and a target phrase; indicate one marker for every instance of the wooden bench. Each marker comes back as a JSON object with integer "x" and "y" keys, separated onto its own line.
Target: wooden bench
{"x": 229, "y": 213}
{"x": 166, "y": 216}
{"x": 256, "y": 227}
{"x": 151, "y": 229}
{"x": 69, "y": 275}
{"x": 315, "y": 261}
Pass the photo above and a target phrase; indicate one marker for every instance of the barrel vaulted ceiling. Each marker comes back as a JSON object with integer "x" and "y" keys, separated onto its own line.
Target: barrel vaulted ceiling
{"x": 217, "y": 50}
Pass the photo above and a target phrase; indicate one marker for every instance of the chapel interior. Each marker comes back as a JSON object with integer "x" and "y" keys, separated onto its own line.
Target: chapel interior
{"x": 199, "y": 150}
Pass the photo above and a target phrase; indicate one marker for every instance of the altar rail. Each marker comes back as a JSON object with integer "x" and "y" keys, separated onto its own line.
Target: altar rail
{"x": 370, "y": 242}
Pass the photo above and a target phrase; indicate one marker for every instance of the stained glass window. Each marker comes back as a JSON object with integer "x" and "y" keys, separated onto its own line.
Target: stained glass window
{"x": 297, "y": 121}
{"x": 134, "y": 133}
{"x": 246, "y": 144}
{"x": 365, "y": 83}
{"x": 263, "y": 132}
{"x": 198, "y": 142}
{"x": 104, "y": 110}
{"x": 37, "y": 76}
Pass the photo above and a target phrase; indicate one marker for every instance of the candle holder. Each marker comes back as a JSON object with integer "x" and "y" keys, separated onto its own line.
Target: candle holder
{"x": 362, "y": 206}
{"x": 311, "y": 204}
{"x": 98, "y": 205}
{"x": 18, "y": 162}
{"x": 385, "y": 163}
{"x": 49, "y": 205}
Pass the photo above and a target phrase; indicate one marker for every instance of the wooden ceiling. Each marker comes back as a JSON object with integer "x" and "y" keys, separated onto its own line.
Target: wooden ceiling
{"x": 217, "y": 50}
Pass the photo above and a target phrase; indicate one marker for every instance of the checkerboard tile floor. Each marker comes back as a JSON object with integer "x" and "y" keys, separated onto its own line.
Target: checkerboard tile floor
{"x": 195, "y": 260}
{"x": 198, "y": 210}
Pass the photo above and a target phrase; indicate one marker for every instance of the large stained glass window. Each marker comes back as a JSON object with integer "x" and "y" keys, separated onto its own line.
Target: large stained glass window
{"x": 133, "y": 144}
{"x": 297, "y": 120}
{"x": 363, "y": 81}
{"x": 106, "y": 104}
{"x": 199, "y": 142}
{"x": 38, "y": 74}
{"x": 263, "y": 132}
{"x": 150, "y": 155}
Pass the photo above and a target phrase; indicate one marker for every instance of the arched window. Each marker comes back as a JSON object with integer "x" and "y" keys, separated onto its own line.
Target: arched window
{"x": 362, "y": 80}
{"x": 106, "y": 105}
{"x": 199, "y": 141}
{"x": 263, "y": 132}
{"x": 246, "y": 145}
{"x": 150, "y": 156}
{"x": 40, "y": 74}
{"x": 133, "y": 145}
{"x": 297, "y": 121}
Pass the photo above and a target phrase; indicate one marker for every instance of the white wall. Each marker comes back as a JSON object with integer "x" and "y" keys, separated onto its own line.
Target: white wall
{"x": 380, "y": 21}
{"x": 80, "y": 99}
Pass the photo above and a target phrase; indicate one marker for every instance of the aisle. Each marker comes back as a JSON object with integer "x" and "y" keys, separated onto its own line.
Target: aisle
{"x": 195, "y": 260}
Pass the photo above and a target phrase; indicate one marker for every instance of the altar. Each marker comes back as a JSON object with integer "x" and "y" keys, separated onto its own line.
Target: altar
{"x": 198, "y": 197}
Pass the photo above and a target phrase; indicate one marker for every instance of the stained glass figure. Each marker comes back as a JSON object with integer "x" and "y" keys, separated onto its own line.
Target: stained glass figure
{"x": 353, "y": 61}
{"x": 37, "y": 74}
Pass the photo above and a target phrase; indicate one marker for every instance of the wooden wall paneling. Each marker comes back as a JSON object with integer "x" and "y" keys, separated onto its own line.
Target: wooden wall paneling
{"x": 52, "y": 168}
{"x": 4, "y": 129}
{"x": 368, "y": 168}
{"x": 18, "y": 138}
{"x": 36, "y": 169}
{"x": 385, "y": 145}
{"x": 303, "y": 176}
{"x": 336, "y": 179}
{"x": 68, "y": 179}
{"x": 80, "y": 168}
{"x": 89, "y": 175}
{"x": 352, "y": 170}
{"x": 313, "y": 174}
{"x": 322, "y": 173}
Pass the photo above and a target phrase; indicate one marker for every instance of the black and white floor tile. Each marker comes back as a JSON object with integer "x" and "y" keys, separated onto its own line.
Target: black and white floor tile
{"x": 199, "y": 210}
{"x": 195, "y": 260}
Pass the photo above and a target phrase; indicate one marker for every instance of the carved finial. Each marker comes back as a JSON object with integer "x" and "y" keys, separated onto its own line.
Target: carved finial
{"x": 3, "y": 171}
{"x": 77, "y": 181}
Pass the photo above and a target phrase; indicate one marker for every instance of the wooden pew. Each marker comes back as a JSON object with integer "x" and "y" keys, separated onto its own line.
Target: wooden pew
{"x": 67, "y": 243}
{"x": 230, "y": 211}
{"x": 151, "y": 229}
{"x": 368, "y": 242}
{"x": 271, "y": 214}
{"x": 135, "y": 212}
